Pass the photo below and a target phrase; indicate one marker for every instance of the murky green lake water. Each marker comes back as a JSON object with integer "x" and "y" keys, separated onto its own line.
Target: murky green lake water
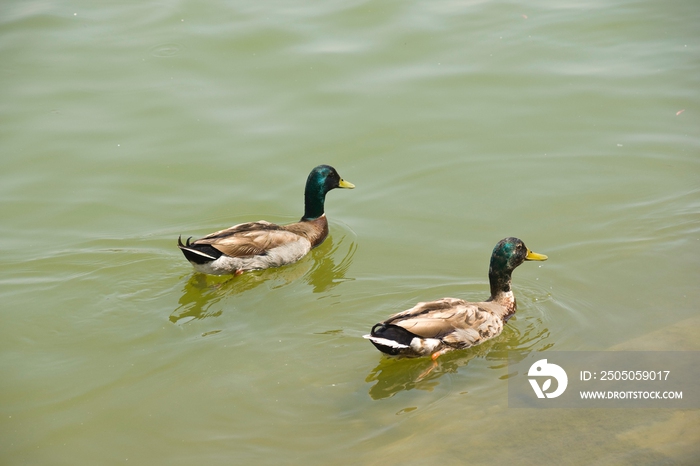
{"x": 574, "y": 126}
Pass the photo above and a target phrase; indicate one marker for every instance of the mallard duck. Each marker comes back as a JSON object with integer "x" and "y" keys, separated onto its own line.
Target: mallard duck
{"x": 261, "y": 245}
{"x": 436, "y": 327}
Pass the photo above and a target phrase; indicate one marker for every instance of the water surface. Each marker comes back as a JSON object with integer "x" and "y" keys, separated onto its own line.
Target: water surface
{"x": 573, "y": 127}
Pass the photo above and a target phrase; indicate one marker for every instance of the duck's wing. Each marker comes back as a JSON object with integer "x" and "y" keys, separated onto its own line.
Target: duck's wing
{"x": 248, "y": 239}
{"x": 454, "y": 321}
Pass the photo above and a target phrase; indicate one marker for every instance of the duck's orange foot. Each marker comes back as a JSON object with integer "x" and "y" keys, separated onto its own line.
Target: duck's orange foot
{"x": 429, "y": 370}
{"x": 237, "y": 273}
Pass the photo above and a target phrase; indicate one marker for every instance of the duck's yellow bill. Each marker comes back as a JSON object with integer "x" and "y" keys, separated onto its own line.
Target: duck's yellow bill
{"x": 345, "y": 184}
{"x": 533, "y": 256}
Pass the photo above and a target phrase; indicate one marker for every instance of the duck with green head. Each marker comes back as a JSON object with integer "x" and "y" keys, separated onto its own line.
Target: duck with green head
{"x": 261, "y": 245}
{"x": 436, "y": 327}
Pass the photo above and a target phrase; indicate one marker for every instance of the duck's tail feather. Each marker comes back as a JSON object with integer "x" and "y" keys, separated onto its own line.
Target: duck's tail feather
{"x": 390, "y": 339}
{"x": 198, "y": 253}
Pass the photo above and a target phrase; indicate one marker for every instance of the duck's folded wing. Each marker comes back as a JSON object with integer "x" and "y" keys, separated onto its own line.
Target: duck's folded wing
{"x": 249, "y": 239}
{"x": 428, "y": 319}
{"x": 260, "y": 225}
{"x": 447, "y": 319}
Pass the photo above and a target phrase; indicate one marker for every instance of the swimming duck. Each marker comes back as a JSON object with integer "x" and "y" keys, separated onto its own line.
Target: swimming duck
{"x": 261, "y": 245}
{"x": 437, "y": 327}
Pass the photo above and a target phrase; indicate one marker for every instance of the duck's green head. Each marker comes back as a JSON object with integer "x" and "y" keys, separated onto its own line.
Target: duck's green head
{"x": 510, "y": 253}
{"x": 507, "y": 255}
{"x": 321, "y": 180}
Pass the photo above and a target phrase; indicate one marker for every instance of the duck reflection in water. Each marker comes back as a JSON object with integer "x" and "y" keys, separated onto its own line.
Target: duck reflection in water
{"x": 201, "y": 292}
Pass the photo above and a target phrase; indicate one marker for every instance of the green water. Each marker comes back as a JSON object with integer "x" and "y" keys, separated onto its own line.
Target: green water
{"x": 574, "y": 126}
